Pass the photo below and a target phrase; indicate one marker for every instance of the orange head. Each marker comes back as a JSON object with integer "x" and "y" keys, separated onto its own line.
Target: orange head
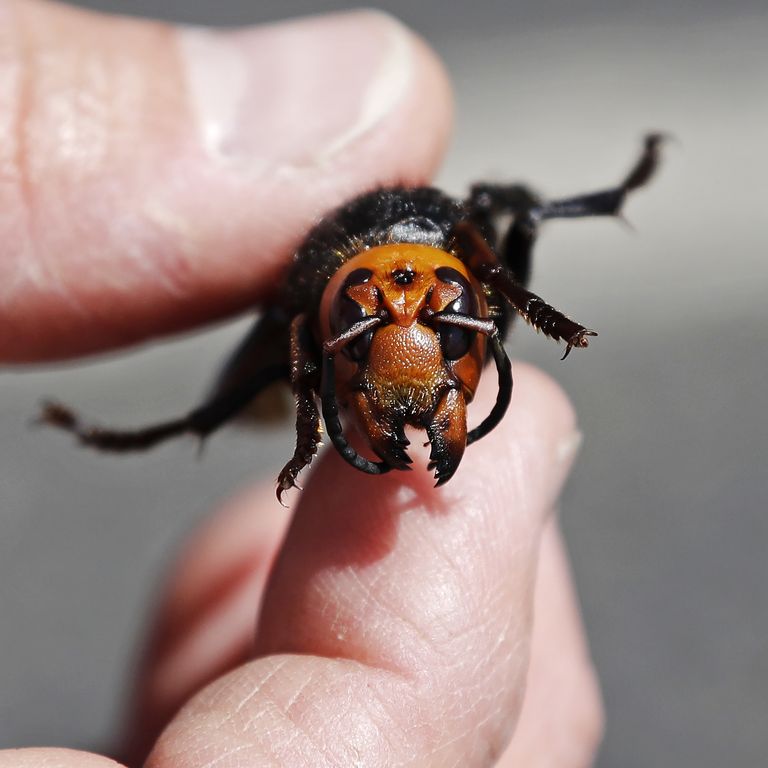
{"x": 410, "y": 368}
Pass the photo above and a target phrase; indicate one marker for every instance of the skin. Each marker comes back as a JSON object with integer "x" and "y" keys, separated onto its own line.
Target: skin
{"x": 401, "y": 624}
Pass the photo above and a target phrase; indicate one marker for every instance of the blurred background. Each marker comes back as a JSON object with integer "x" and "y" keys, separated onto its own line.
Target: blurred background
{"x": 665, "y": 513}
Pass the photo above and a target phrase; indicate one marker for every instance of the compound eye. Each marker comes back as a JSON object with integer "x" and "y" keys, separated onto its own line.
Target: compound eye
{"x": 454, "y": 341}
{"x": 465, "y": 304}
{"x": 345, "y": 312}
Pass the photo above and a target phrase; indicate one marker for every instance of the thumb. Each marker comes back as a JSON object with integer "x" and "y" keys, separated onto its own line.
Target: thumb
{"x": 156, "y": 176}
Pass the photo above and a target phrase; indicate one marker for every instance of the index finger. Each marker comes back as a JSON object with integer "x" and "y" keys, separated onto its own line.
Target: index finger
{"x": 397, "y": 620}
{"x": 157, "y": 177}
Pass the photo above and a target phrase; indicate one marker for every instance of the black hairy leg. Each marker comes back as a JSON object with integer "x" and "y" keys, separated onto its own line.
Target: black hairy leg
{"x": 305, "y": 381}
{"x": 200, "y": 422}
{"x": 488, "y": 201}
{"x": 607, "y": 202}
{"x": 265, "y": 345}
{"x": 485, "y": 266}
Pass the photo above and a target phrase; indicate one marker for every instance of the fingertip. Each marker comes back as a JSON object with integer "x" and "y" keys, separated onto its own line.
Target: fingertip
{"x": 202, "y": 159}
{"x": 540, "y": 393}
{"x": 528, "y": 456}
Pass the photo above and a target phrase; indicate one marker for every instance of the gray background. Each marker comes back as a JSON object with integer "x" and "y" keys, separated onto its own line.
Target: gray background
{"x": 666, "y": 512}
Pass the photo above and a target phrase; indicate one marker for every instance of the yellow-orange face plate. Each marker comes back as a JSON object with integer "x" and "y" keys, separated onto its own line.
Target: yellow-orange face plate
{"x": 404, "y": 302}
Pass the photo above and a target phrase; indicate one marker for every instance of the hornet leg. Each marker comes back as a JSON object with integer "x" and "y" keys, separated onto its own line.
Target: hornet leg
{"x": 485, "y": 265}
{"x": 201, "y": 422}
{"x": 305, "y": 380}
{"x": 259, "y": 362}
{"x": 489, "y": 200}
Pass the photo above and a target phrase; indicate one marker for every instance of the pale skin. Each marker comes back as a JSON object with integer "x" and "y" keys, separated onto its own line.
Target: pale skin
{"x": 402, "y": 625}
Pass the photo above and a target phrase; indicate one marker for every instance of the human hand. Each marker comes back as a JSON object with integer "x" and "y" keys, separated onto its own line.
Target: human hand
{"x": 151, "y": 186}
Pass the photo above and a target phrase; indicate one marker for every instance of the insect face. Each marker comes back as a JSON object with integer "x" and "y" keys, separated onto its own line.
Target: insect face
{"x": 411, "y": 368}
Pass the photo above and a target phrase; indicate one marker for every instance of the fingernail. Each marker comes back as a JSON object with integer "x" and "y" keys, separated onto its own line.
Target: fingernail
{"x": 297, "y": 93}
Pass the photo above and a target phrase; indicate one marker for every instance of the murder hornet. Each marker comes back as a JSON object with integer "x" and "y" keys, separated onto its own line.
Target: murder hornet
{"x": 390, "y": 309}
